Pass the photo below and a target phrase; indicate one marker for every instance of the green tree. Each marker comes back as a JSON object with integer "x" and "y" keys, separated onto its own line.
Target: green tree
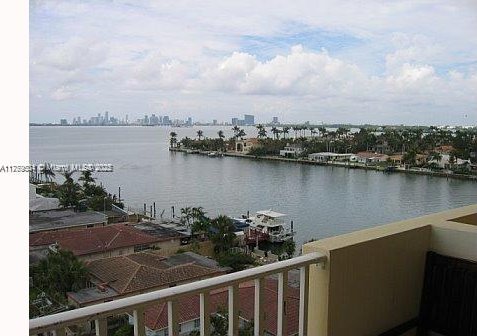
{"x": 69, "y": 192}
{"x": 173, "y": 139}
{"x": 222, "y": 234}
{"x": 200, "y": 134}
{"x": 59, "y": 273}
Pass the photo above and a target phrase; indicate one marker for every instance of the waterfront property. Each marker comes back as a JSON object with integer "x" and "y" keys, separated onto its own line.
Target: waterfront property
{"x": 370, "y": 157}
{"x": 291, "y": 150}
{"x": 117, "y": 277}
{"x": 96, "y": 242}
{"x": 327, "y": 156}
{"x": 386, "y": 280}
{"x": 245, "y": 146}
{"x": 59, "y": 219}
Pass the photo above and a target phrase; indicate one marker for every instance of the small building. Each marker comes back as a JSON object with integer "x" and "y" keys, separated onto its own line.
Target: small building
{"x": 328, "y": 156}
{"x": 244, "y": 146}
{"x": 370, "y": 157}
{"x": 445, "y": 162}
{"x": 96, "y": 242}
{"x": 291, "y": 151}
{"x": 137, "y": 273}
{"x": 51, "y": 220}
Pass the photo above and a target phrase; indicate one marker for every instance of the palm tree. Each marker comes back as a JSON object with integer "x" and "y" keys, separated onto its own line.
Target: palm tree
{"x": 87, "y": 178}
{"x": 69, "y": 191}
{"x": 200, "y": 133}
{"x": 221, "y": 134}
{"x": 285, "y": 131}
{"x": 241, "y": 134}
{"x": 222, "y": 234}
{"x": 59, "y": 273}
{"x": 262, "y": 133}
{"x": 173, "y": 140}
{"x": 48, "y": 172}
{"x": 275, "y": 132}
{"x": 236, "y": 130}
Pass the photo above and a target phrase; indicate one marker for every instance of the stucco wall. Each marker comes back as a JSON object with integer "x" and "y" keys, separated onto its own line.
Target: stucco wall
{"x": 373, "y": 279}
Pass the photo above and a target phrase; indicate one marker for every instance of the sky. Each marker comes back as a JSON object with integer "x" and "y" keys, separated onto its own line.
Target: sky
{"x": 380, "y": 62}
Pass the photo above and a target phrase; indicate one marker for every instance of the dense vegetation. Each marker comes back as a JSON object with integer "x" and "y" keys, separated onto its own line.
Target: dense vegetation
{"x": 409, "y": 141}
{"x": 84, "y": 192}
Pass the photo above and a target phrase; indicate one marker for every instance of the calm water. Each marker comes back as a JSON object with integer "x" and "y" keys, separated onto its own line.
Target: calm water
{"x": 322, "y": 201}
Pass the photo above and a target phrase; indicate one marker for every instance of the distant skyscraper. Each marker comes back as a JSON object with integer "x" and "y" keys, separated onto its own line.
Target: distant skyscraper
{"x": 275, "y": 120}
{"x": 146, "y": 120}
{"x": 63, "y": 122}
{"x": 214, "y": 122}
{"x": 166, "y": 120}
{"x": 234, "y": 121}
{"x": 189, "y": 121}
{"x": 106, "y": 117}
{"x": 249, "y": 119}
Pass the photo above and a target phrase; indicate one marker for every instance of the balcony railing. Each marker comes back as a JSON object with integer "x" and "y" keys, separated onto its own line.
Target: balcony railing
{"x": 137, "y": 304}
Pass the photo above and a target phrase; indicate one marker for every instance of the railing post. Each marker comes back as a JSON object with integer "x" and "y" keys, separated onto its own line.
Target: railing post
{"x": 259, "y": 311}
{"x": 282, "y": 297}
{"x": 101, "y": 326}
{"x": 173, "y": 325}
{"x": 233, "y": 310}
{"x": 204, "y": 314}
{"x": 304, "y": 287}
{"x": 139, "y": 328}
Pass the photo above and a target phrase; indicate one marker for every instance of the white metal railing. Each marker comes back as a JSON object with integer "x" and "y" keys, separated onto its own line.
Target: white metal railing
{"x": 138, "y": 303}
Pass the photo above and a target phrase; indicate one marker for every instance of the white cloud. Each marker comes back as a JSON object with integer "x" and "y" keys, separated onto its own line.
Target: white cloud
{"x": 198, "y": 58}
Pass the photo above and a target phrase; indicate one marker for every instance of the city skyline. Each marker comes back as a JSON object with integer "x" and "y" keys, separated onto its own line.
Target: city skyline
{"x": 333, "y": 62}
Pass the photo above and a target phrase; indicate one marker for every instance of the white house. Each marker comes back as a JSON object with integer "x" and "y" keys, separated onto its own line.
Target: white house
{"x": 444, "y": 162}
{"x": 291, "y": 151}
{"x": 328, "y": 156}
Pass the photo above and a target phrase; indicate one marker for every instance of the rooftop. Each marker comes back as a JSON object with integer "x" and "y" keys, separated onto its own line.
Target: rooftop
{"x": 62, "y": 219}
{"x": 141, "y": 272}
{"x": 159, "y": 231}
{"x": 93, "y": 240}
{"x": 189, "y": 309}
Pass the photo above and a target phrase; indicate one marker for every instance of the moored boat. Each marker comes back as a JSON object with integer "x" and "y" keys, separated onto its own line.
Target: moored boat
{"x": 269, "y": 225}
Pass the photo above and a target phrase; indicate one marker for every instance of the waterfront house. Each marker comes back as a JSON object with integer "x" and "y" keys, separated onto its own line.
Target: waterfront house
{"x": 370, "y": 157}
{"x": 96, "y": 242}
{"x": 291, "y": 151}
{"x": 59, "y": 219}
{"x": 391, "y": 279}
{"x": 244, "y": 146}
{"x": 328, "y": 156}
{"x": 447, "y": 161}
{"x": 117, "y": 277}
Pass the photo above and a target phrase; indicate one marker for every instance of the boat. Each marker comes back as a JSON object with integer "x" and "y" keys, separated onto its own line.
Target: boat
{"x": 269, "y": 225}
{"x": 215, "y": 154}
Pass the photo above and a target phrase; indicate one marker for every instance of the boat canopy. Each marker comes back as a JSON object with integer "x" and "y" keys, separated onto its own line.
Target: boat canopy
{"x": 270, "y": 213}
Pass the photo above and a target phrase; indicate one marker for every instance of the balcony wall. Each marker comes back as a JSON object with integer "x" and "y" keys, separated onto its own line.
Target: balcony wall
{"x": 374, "y": 277}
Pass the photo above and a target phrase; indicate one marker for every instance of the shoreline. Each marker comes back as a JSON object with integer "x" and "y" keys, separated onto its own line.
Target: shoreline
{"x": 334, "y": 164}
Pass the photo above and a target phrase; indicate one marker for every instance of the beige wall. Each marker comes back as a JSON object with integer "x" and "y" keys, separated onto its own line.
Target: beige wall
{"x": 373, "y": 278}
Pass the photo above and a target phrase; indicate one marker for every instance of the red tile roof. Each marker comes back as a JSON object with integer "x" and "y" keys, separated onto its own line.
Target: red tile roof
{"x": 189, "y": 309}
{"x": 93, "y": 240}
{"x": 145, "y": 271}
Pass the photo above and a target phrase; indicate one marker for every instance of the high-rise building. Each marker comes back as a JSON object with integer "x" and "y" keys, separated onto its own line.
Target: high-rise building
{"x": 275, "y": 120}
{"x": 214, "y": 122}
{"x": 63, "y": 122}
{"x": 146, "y": 120}
{"x": 234, "y": 121}
{"x": 166, "y": 120}
{"x": 189, "y": 121}
{"x": 106, "y": 117}
{"x": 249, "y": 119}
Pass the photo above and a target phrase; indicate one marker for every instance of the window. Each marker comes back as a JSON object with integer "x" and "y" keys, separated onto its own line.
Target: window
{"x": 197, "y": 324}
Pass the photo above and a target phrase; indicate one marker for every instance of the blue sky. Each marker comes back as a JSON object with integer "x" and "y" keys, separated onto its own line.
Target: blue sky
{"x": 393, "y": 62}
